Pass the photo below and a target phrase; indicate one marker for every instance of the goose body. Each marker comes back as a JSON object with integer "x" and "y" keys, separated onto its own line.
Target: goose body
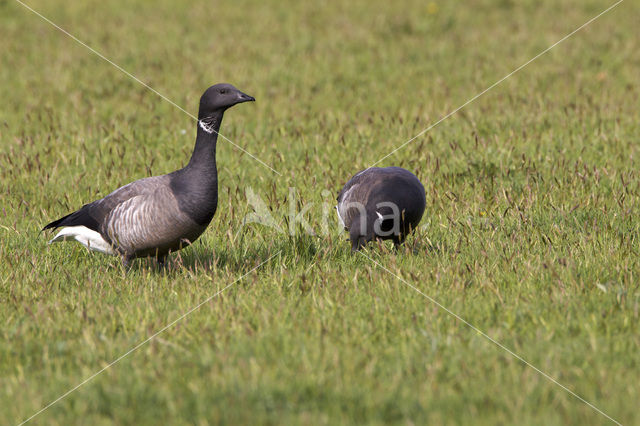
{"x": 381, "y": 203}
{"x": 161, "y": 214}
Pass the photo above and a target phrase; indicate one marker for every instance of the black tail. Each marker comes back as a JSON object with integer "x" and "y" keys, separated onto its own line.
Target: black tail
{"x": 83, "y": 217}
{"x": 56, "y": 223}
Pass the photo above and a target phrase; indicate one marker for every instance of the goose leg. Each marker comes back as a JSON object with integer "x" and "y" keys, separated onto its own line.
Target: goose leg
{"x": 161, "y": 260}
{"x": 398, "y": 240}
{"x": 358, "y": 234}
{"x": 126, "y": 261}
{"x": 357, "y": 243}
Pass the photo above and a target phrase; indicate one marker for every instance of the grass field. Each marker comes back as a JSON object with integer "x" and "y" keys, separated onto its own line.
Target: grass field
{"x": 531, "y": 231}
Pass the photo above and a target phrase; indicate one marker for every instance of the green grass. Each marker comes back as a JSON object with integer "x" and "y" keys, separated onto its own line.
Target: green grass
{"x": 531, "y": 230}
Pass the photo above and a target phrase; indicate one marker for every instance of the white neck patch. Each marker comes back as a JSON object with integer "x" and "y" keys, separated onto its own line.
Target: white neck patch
{"x": 207, "y": 127}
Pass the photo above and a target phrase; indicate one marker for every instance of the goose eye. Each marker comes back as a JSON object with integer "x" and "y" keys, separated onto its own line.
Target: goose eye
{"x": 223, "y": 91}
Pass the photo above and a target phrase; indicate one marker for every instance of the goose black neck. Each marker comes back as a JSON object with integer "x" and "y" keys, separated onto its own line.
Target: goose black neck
{"x": 204, "y": 153}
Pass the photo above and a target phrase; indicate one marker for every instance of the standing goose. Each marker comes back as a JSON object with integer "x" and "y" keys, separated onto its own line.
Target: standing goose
{"x": 381, "y": 203}
{"x": 157, "y": 215}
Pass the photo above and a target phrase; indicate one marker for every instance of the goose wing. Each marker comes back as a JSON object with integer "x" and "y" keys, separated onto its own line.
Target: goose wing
{"x": 355, "y": 180}
{"x": 151, "y": 223}
{"x": 353, "y": 197}
{"x": 93, "y": 215}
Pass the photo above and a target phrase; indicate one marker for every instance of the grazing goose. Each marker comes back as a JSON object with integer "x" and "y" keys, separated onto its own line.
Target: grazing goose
{"x": 381, "y": 203}
{"x": 157, "y": 215}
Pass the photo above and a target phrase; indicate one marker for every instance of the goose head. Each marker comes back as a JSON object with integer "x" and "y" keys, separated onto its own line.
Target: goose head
{"x": 218, "y": 98}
